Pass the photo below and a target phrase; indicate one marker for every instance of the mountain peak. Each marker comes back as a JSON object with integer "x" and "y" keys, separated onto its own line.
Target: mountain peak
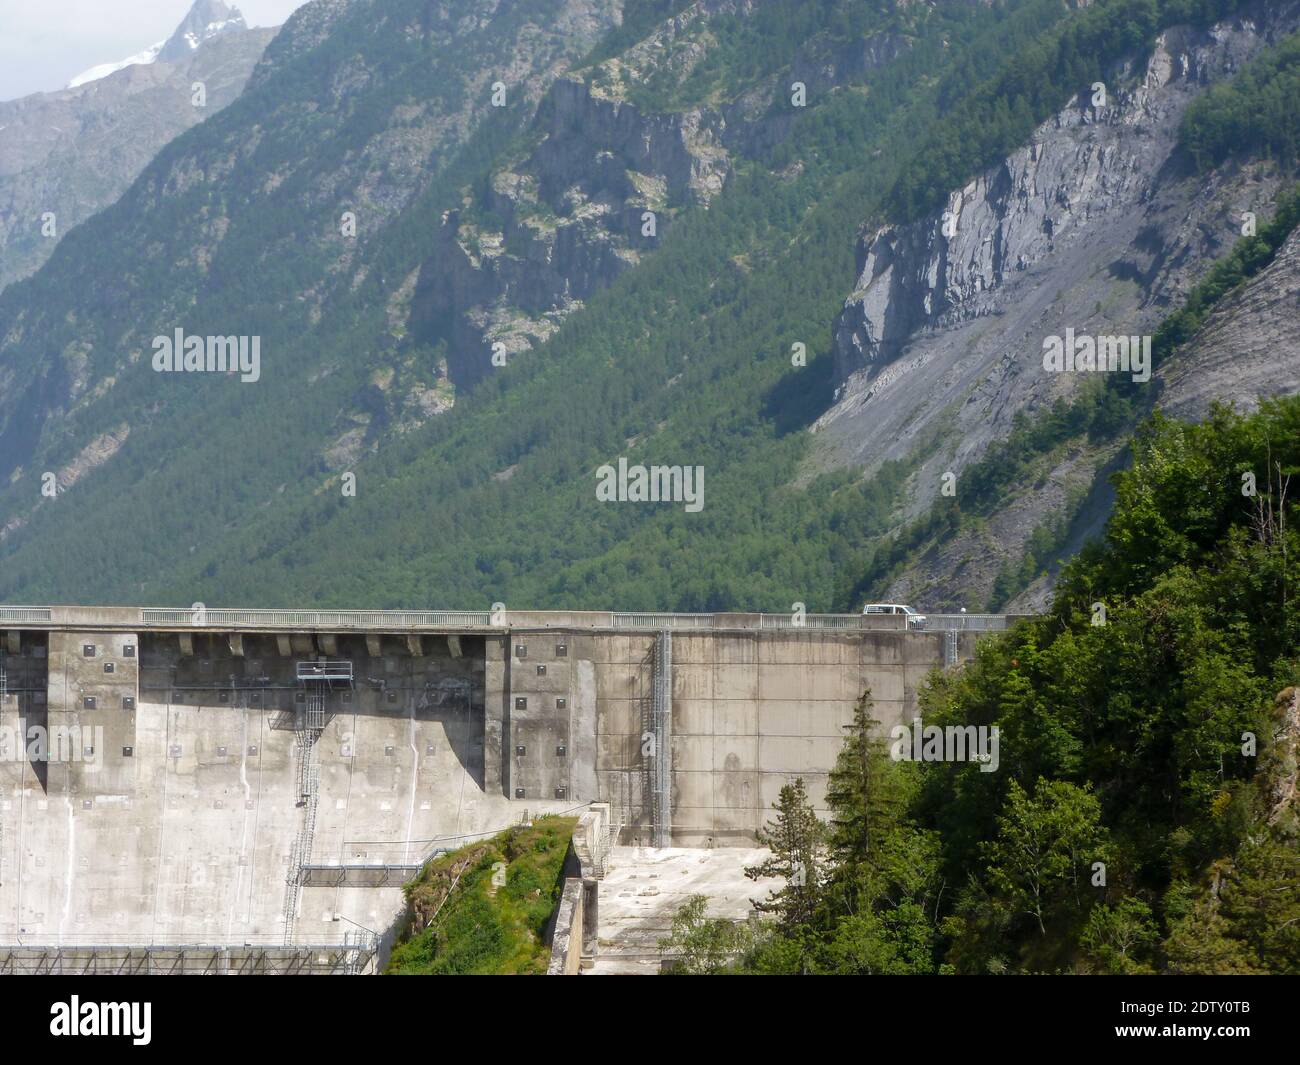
{"x": 206, "y": 19}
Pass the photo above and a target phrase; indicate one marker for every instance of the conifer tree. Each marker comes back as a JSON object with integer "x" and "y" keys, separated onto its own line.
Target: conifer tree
{"x": 796, "y": 839}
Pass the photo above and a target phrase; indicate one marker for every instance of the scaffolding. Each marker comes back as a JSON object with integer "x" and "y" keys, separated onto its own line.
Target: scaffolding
{"x": 325, "y": 671}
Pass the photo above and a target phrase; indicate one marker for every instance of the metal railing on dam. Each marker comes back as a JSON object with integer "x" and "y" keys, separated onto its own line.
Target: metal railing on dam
{"x": 179, "y": 956}
{"x": 213, "y": 618}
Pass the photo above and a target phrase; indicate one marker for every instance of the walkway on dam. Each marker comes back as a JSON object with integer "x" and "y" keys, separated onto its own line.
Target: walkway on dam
{"x": 201, "y": 618}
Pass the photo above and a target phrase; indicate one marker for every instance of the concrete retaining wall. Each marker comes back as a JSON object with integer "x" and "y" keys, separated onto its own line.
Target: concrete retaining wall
{"x": 189, "y": 822}
{"x": 751, "y": 710}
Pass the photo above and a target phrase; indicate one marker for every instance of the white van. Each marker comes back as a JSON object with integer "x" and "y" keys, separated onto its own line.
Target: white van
{"x": 915, "y": 620}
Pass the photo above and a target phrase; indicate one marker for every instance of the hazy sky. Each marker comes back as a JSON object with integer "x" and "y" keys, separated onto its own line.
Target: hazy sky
{"x": 44, "y": 44}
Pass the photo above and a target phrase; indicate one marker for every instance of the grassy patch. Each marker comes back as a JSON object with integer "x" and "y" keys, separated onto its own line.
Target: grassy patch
{"x": 463, "y": 924}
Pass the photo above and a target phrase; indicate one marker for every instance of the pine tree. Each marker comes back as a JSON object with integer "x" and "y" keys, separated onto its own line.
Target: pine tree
{"x": 796, "y": 838}
{"x": 865, "y": 796}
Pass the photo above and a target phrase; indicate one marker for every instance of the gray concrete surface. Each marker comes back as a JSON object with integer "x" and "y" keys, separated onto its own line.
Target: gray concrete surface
{"x": 176, "y": 816}
{"x": 645, "y": 887}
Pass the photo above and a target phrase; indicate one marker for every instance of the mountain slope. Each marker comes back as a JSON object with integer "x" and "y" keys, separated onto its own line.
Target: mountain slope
{"x": 245, "y": 226}
{"x": 73, "y": 152}
{"x": 1101, "y": 224}
{"x": 476, "y": 482}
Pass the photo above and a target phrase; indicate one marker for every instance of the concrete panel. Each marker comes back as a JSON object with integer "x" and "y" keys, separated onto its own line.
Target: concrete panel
{"x": 778, "y": 718}
{"x": 783, "y": 683}
{"x": 735, "y": 649}
{"x": 618, "y": 681}
{"x": 692, "y": 753}
{"x": 618, "y": 752}
{"x": 736, "y": 790}
{"x": 886, "y": 648}
{"x": 886, "y": 683}
{"x": 693, "y": 649}
{"x": 924, "y": 647}
{"x": 807, "y": 648}
{"x": 735, "y": 717}
{"x": 737, "y": 682}
{"x": 734, "y": 753}
{"x": 618, "y": 716}
{"x": 692, "y": 789}
{"x": 891, "y": 714}
{"x": 693, "y": 716}
{"x": 692, "y": 681}
{"x": 798, "y": 754}
{"x": 771, "y": 783}
{"x": 583, "y": 732}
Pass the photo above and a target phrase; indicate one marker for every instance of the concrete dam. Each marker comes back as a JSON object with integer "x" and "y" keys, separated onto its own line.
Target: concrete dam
{"x": 246, "y": 790}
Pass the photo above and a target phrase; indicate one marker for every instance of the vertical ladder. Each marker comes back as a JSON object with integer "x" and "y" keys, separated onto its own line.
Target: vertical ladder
{"x": 4, "y": 691}
{"x": 314, "y": 714}
{"x": 661, "y": 728}
{"x": 309, "y": 722}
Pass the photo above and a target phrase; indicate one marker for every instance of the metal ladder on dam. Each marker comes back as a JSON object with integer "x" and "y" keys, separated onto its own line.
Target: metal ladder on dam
{"x": 309, "y": 722}
{"x": 4, "y": 691}
{"x": 659, "y": 725}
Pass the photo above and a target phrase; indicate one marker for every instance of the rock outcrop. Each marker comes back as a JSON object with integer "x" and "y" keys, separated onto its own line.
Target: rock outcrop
{"x": 1248, "y": 348}
{"x": 602, "y": 187}
{"x": 1097, "y": 223}
{"x": 1084, "y": 166}
{"x": 598, "y": 191}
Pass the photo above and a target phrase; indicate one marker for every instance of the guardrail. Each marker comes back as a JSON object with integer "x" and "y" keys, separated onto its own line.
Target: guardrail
{"x": 350, "y": 939}
{"x": 397, "y": 621}
{"x": 316, "y": 619}
{"x": 25, "y": 613}
{"x": 971, "y": 622}
{"x": 661, "y": 621}
{"x": 855, "y": 622}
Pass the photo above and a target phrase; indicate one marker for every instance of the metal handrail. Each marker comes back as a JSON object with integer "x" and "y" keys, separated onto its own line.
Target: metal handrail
{"x": 394, "y": 621}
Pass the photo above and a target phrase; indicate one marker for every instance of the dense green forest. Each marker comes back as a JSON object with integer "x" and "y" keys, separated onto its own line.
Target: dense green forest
{"x": 684, "y": 359}
{"x": 1257, "y": 111}
{"x": 1142, "y": 817}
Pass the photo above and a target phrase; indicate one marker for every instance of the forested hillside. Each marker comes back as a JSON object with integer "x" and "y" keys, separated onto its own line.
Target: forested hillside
{"x": 176, "y": 488}
{"x": 1143, "y": 817}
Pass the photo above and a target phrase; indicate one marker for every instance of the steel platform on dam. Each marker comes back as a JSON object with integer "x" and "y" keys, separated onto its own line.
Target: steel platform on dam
{"x": 256, "y": 784}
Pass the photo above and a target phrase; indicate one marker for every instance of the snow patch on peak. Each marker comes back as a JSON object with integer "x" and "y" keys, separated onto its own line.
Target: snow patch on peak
{"x": 144, "y": 58}
{"x": 206, "y": 19}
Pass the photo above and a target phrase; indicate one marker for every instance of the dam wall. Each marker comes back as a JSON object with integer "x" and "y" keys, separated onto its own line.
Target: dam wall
{"x": 270, "y": 784}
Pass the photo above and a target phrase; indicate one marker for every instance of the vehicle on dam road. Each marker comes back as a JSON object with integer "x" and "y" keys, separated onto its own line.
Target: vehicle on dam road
{"x": 914, "y": 620}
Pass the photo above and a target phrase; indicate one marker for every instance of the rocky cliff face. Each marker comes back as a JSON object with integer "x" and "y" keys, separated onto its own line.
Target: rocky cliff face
{"x": 601, "y": 187}
{"x": 1098, "y": 224}
{"x": 1088, "y": 165}
{"x": 207, "y": 20}
{"x": 1259, "y": 328}
{"x": 598, "y": 190}
{"x": 68, "y": 154}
